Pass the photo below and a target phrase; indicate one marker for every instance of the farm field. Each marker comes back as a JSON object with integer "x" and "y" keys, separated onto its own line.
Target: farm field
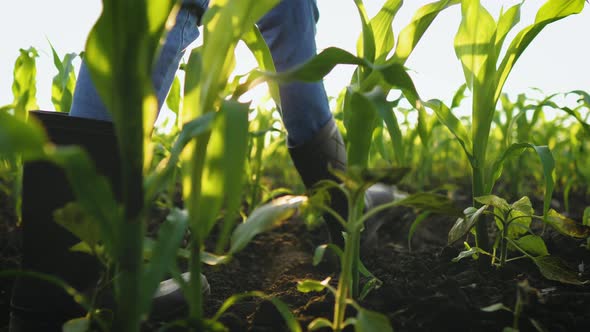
{"x": 487, "y": 227}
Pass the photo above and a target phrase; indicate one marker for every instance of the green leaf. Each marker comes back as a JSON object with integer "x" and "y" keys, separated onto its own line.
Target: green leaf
{"x": 413, "y": 32}
{"x": 506, "y": 22}
{"x": 434, "y": 203}
{"x": 173, "y": 99}
{"x": 381, "y": 25}
{"x": 385, "y": 110}
{"x": 320, "y": 251}
{"x": 371, "y": 321}
{"x": 446, "y": 116}
{"x": 81, "y": 324}
{"x": 566, "y": 226}
{"x": 224, "y": 24}
{"x": 533, "y": 245}
{"x": 24, "y": 85}
{"x": 523, "y": 205}
{"x": 474, "y": 42}
{"x": 62, "y": 89}
{"x": 73, "y": 218}
{"x": 397, "y": 76}
{"x": 496, "y": 307}
{"x": 551, "y": 11}
{"x": 319, "y": 66}
{"x": 417, "y": 222}
{"x": 308, "y": 285}
{"x": 264, "y": 218}
{"x": 255, "y": 42}
{"x": 20, "y": 137}
{"x": 366, "y": 44}
{"x": 553, "y": 268}
{"x": 319, "y": 323}
{"x": 93, "y": 193}
{"x": 466, "y": 253}
{"x": 223, "y": 170}
{"x": 495, "y": 201}
{"x": 369, "y": 286}
{"x": 359, "y": 128}
{"x": 165, "y": 249}
{"x": 586, "y": 218}
{"x": 156, "y": 182}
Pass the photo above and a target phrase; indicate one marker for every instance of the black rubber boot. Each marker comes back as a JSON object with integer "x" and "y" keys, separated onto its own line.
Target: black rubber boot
{"x": 37, "y": 305}
{"x": 313, "y": 161}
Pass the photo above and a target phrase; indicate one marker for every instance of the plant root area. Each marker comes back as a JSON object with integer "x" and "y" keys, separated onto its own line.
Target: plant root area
{"x": 422, "y": 290}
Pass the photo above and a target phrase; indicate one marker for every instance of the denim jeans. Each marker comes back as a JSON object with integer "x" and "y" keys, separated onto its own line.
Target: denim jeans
{"x": 288, "y": 29}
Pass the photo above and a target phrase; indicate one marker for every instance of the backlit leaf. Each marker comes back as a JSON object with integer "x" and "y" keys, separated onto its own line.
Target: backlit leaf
{"x": 264, "y": 218}
{"x": 413, "y": 32}
{"x": 308, "y": 285}
{"x": 495, "y": 201}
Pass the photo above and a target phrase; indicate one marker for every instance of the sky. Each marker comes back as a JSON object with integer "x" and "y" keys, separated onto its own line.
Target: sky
{"x": 557, "y": 61}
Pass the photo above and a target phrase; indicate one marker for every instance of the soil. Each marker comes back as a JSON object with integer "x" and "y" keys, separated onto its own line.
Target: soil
{"x": 422, "y": 289}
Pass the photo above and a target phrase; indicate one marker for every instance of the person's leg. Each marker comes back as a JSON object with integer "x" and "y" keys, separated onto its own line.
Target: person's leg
{"x": 289, "y": 31}
{"x": 315, "y": 144}
{"x": 87, "y": 103}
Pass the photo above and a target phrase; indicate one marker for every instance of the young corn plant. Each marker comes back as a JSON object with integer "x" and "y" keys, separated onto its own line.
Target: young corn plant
{"x": 478, "y": 45}
{"x": 355, "y": 182}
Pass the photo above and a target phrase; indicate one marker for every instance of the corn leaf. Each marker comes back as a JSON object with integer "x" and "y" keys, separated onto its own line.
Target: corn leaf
{"x": 359, "y": 128}
{"x": 551, "y": 11}
{"x": 62, "y": 89}
{"x": 381, "y": 26}
{"x": 446, "y": 116}
{"x": 24, "y": 85}
{"x": 255, "y": 42}
{"x": 173, "y": 100}
{"x": 264, "y": 218}
{"x": 224, "y": 23}
{"x": 366, "y": 44}
{"x": 413, "y": 32}
{"x": 93, "y": 193}
{"x": 319, "y": 66}
{"x": 19, "y": 137}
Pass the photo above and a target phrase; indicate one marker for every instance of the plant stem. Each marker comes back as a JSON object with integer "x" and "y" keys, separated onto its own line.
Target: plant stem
{"x": 482, "y": 240}
{"x": 343, "y": 286}
{"x": 196, "y": 298}
{"x": 128, "y": 283}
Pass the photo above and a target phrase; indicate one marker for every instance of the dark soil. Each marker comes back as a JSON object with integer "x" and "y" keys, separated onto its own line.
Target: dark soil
{"x": 422, "y": 289}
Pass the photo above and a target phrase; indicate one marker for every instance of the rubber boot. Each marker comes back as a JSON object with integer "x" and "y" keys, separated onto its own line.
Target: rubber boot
{"x": 313, "y": 161}
{"x": 37, "y": 305}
